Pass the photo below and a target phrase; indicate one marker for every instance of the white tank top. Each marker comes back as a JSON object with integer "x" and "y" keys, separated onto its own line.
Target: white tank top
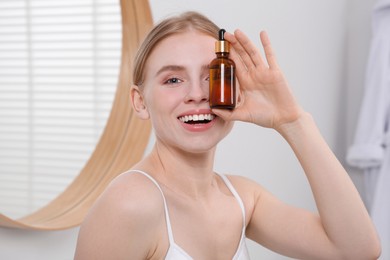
{"x": 175, "y": 252}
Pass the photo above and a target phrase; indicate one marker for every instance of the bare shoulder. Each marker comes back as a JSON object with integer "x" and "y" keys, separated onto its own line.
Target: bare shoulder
{"x": 131, "y": 197}
{"x": 248, "y": 190}
{"x": 245, "y": 186}
{"x": 124, "y": 221}
{"x": 133, "y": 192}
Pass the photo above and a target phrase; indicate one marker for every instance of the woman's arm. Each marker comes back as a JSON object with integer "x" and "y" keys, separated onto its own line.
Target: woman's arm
{"x": 343, "y": 229}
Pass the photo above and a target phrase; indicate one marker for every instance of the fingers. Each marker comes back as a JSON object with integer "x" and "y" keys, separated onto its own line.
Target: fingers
{"x": 246, "y": 49}
{"x": 248, "y": 52}
{"x": 269, "y": 52}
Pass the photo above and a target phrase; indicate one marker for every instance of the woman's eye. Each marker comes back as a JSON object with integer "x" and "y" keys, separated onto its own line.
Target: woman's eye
{"x": 173, "y": 81}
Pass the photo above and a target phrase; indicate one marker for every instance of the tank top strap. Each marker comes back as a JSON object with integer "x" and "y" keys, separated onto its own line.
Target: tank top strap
{"x": 167, "y": 219}
{"x": 235, "y": 194}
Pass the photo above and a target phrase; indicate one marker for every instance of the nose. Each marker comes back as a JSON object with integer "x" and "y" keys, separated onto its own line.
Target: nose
{"x": 198, "y": 92}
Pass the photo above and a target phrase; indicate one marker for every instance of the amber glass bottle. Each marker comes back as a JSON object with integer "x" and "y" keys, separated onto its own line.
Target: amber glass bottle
{"x": 222, "y": 76}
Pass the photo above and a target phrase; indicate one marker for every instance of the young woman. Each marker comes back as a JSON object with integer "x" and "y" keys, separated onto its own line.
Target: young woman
{"x": 172, "y": 205}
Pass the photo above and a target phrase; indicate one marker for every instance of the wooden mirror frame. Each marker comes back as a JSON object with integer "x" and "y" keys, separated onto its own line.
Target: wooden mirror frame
{"x": 121, "y": 145}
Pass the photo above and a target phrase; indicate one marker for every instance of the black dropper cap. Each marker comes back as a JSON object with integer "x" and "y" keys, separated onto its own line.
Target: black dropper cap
{"x": 222, "y": 34}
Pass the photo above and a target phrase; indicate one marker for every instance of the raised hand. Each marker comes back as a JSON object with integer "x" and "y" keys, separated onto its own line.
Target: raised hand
{"x": 264, "y": 96}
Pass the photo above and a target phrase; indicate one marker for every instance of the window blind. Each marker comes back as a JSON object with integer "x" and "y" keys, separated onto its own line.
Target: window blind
{"x": 59, "y": 66}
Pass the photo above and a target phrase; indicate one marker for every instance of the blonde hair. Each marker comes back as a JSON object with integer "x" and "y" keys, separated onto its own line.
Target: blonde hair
{"x": 166, "y": 28}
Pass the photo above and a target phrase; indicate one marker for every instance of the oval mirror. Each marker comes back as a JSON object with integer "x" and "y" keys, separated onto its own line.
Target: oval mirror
{"x": 124, "y": 138}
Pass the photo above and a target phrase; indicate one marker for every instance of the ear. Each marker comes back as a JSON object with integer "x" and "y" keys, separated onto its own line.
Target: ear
{"x": 138, "y": 102}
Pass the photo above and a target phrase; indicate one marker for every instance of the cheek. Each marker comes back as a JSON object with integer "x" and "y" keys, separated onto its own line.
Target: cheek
{"x": 161, "y": 105}
{"x": 165, "y": 99}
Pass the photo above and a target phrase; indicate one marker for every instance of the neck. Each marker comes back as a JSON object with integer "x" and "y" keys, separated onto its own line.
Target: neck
{"x": 190, "y": 174}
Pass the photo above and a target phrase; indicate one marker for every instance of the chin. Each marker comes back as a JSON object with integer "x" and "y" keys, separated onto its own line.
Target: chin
{"x": 197, "y": 147}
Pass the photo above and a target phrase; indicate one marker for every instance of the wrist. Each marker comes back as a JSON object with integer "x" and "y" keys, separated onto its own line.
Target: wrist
{"x": 298, "y": 126}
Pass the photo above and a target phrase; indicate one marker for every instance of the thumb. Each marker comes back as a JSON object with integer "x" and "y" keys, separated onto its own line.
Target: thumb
{"x": 225, "y": 114}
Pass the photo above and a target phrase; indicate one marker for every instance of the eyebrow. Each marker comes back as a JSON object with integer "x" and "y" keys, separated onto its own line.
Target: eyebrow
{"x": 170, "y": 68}
{"x": 177, "y": 68}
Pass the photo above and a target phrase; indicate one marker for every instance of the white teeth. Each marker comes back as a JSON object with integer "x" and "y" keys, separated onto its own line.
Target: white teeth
{"x": 200, "y": 117}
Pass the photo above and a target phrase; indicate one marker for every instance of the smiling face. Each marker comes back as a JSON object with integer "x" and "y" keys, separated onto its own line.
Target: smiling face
{"x": 175, "y": 93}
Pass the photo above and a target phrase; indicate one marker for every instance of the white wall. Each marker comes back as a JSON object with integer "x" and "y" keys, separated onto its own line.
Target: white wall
{"x": 321, "y": 46}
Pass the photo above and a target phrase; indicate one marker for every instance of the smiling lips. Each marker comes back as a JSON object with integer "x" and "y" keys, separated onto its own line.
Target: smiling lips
{"x": 197, "y": 119}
